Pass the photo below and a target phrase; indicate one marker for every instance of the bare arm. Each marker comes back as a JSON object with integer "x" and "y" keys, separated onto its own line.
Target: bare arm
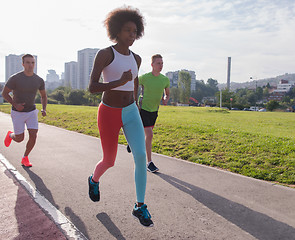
{"x": 138, "y": 61}
{"x": 165, "y": 99}
{"x": 8, "y": 98}
{"x": 43, "y": 101}
{"x": 136, "y": 89}
{"x": 103, "y": 59}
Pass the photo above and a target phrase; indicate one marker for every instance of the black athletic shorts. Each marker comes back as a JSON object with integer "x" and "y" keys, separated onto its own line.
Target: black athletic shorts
{"x": 148, "y": 118}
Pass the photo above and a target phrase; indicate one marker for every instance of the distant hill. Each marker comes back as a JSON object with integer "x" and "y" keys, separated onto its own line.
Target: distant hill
{"x": 260, "y": 82}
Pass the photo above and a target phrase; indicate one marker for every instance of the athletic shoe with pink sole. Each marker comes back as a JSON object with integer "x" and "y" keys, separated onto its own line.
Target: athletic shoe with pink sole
{"x": 26, "y": 162}
{"x": 7, "y": 139}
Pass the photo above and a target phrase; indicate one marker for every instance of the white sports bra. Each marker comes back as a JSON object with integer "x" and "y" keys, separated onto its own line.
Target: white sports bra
{"x": 121, "y": 63}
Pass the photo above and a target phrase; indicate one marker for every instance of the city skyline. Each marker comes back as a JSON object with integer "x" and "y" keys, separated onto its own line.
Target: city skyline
{"x": 194, "y": 35}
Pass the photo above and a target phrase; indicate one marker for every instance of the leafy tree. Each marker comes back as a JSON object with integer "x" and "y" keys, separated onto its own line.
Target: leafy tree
{"x": 184, "y": 84}
{"x": 52, "y": 101}
{"x": 286, "y": 99}
{"x": 251, "y": 97}
{"x": 58, "y": 95}
{"x": 226, "y": 96}
{"x": 272, "y": 105}
{"x": 265, "y": 92}
{"x": 200, "y": 91}
{"x": 212, "y": 84}
{"x": 76, "y": 97}
{"x": 175, "y": 94}
{"x": 291, "y": 93}
{"x": 241, "y": 99}
{"x": 38, "y": 98}
{"x": 259, "y": 93}
{"x": 289, "y": 99}
{"x": 93, "y": 99}
{"x": 205, "y": 90}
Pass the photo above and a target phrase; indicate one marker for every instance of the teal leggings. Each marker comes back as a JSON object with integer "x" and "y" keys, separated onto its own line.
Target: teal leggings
{"x": 110, "y": 120}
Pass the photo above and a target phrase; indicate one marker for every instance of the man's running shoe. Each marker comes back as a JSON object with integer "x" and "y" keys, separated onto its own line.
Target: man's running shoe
{"x": 143, "y": 215}
{"x": 152, "y": 167}
{"x": 26, "y": 162}
{"x": 93, "y": 190}
{"x": 128, "y": 149}
{"x": 7, "y": 139}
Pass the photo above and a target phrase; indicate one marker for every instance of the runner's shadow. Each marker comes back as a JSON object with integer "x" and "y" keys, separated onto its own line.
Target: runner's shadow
{"x": 110, "y": 226}
{"x": 32, "y": 223}
{"x": 40, "y": 186}
{"x": 76, "y": 220}
{"x": 255, "y": 223}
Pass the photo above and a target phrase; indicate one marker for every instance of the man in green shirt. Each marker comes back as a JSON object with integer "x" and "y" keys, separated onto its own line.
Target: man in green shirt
{"x": 155, "y": 87}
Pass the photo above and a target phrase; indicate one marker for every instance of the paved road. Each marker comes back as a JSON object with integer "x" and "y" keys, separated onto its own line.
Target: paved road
{"x": 186, "y": 201}
{"x": 20, "y": 216}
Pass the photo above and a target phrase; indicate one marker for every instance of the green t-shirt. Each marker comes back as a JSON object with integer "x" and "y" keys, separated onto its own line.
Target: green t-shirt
{"x": 153, "y": 90}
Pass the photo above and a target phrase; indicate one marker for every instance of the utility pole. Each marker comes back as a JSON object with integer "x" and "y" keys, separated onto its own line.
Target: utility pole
{"x": 228, "y": 72}
{"x": 220, "y": 98}
{"x": 256, "y": 95}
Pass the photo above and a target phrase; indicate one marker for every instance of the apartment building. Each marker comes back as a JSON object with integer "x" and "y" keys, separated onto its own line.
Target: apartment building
{"x": 85, "y": 63}
{"x": 71, "y": 74}
{"x": 13, "y": 64}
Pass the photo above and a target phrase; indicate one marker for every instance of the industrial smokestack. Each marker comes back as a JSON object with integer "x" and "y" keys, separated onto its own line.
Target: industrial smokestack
{"x": 228, "y": 72}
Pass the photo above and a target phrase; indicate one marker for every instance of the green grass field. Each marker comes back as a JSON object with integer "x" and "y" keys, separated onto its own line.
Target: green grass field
{"x": 256, "y": 144}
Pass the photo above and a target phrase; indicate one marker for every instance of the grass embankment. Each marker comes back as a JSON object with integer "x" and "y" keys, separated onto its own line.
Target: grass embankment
{"x": 256, "y": 144}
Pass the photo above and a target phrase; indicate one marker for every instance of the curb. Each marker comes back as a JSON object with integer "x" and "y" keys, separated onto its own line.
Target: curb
{"x": 62, "y": 222}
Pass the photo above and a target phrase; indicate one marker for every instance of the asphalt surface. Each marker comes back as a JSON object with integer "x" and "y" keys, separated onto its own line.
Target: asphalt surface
{"x": 21, "y": 218}
{"x": 186, "y": 200}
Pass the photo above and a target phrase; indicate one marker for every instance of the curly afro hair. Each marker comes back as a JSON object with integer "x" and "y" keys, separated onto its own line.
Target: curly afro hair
{"x": 119, "y": 16}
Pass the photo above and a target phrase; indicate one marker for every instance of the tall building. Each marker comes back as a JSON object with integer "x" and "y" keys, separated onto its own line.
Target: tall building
{"x": 173, "y": 76}
{"x": 52, "y": 76}
{"x": 85, "y": 63}
{"x": 52, "y": 80}
{"x": 71, "y": 74}
{"x": 13, "y": 64}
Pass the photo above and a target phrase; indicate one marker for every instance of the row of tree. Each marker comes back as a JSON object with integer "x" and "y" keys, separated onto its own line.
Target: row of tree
{"x": 66, "y": 95}
{"x": 209, "y": 94}
{"x": 240, "y": 99}
{"x": 244, "y": 98}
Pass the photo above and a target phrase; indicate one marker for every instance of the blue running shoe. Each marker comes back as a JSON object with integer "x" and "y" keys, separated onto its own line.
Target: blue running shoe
{"x": 93, "y": 190}
{"x": 143, "y": 215}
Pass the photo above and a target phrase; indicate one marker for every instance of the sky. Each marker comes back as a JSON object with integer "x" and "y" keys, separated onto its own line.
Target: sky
{"x": 197, "y": 35}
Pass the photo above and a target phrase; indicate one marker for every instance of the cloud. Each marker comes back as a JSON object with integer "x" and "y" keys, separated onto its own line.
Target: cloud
{"x": 197, "y": 35}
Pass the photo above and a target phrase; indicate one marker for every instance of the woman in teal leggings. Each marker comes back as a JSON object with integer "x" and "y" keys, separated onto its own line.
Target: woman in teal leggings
{"x": 118, "y": 108}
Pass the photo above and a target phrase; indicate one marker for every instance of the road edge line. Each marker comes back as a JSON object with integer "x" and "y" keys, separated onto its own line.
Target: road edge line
{"x": 61, "y": 221}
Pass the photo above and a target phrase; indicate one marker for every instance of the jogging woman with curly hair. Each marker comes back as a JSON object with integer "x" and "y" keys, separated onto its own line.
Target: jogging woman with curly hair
{"x": 118, "y": 108}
